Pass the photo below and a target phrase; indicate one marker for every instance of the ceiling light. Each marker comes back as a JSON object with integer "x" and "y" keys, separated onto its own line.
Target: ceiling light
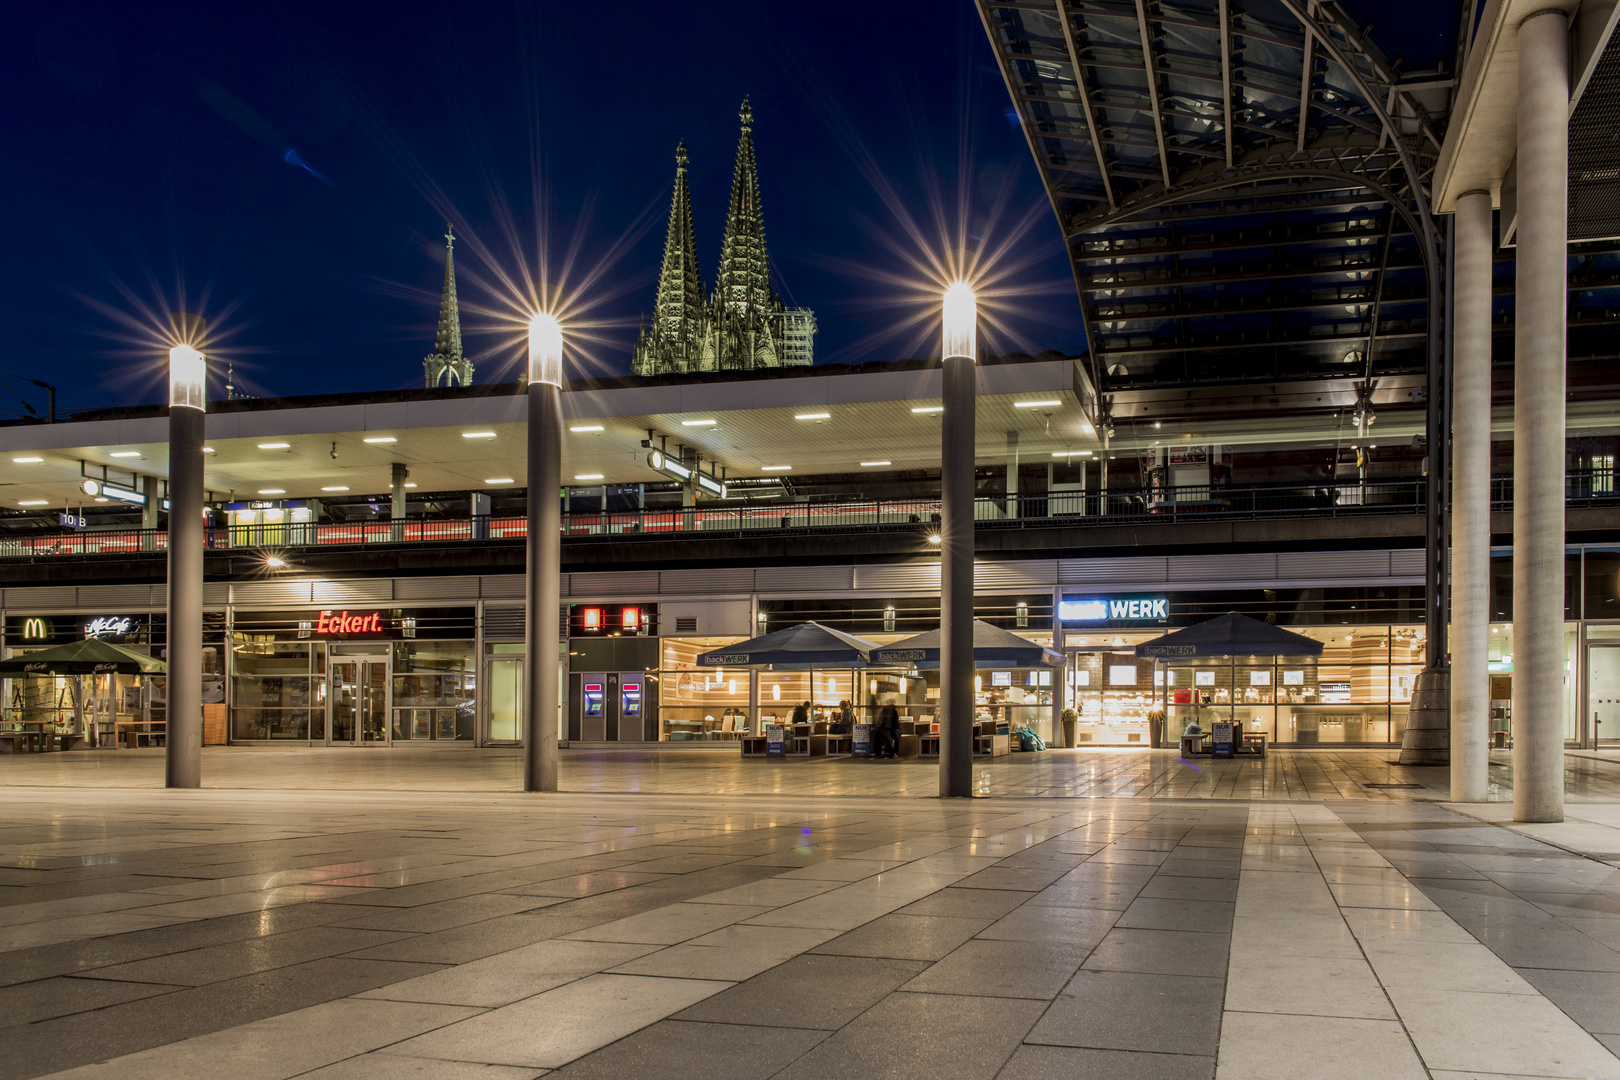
{"x": 274, "y": 445}
{"x": 272, "y": 491}
{"x": 28, "y": 460}
{"x": 814, "y": 416}
{"x": 410, "y": 485}
{"x": 1071, "y": 453}
{"x": 208, "y": 449}
{"x": 589, "y": 476}
{"x": 697, "y": 423}
{"x": 587, "y": 427}
{"x": 776, "y": 468}
{"x": 935, "y": 538}
{"x": 334, "y": 489}
{"x": 102, "y": 498}
{"x": 125, "y": 453}
{"x": 1156, "y": 425}
{"x": 1035, "y": 404}
{"x": 274, "y": 563}
{"x": 381, "y": 439}
{"x": 477, "y": 434}
{"x": 869, "y": 464}
{"x": 34, "y": 502}
{"x": 499, "y": 480}
{"x": 929, "y": 408}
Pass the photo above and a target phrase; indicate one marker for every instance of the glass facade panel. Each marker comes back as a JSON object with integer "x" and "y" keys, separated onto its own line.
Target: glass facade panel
{"x": 435, "y": 690}
{"x": 272, "y": 690}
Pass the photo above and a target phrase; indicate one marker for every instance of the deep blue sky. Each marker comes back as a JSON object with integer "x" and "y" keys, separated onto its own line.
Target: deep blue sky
{"x": 147, "y": 146}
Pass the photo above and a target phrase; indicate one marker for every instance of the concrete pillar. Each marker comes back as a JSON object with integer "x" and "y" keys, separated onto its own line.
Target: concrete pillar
{"x": 183, "y": 742}
{"x": 1012, "y": 475}
{"x": 396, "y": 504}
{"x": 1538, "y": 419}
{"x": 956, "y": 579}
{"x": 149, "y": 512}
{"x": 1471, "y": 498}
{"x": 543, "y": 586}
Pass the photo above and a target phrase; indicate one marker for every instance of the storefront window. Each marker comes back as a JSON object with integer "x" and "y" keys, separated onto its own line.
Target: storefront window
{"x": 701, "y": 704}
{"x": 274, "y": 690}
{"x": 435, "y": 690}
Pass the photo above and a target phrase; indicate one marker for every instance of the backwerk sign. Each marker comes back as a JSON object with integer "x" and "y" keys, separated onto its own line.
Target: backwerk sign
{"x": 1114, "y": 609}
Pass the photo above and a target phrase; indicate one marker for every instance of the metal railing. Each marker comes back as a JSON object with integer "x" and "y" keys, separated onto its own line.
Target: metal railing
{"x": 1054, "y": 509}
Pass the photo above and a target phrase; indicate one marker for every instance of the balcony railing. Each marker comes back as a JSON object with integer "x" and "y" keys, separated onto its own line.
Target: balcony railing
{"x": 1043, "y": 511}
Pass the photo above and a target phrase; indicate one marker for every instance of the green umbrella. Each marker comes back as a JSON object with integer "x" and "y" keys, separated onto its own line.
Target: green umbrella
{"x": 92, "y": 656}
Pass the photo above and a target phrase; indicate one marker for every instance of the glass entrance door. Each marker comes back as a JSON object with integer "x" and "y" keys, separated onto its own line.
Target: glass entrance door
{"x": 504, "y": 679}
{"x": 358, "y": 701}
{"x": 1603, "y": 693}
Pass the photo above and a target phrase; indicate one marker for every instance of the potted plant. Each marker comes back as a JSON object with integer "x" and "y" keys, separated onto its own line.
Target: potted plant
{"x": 1068, "y": 717}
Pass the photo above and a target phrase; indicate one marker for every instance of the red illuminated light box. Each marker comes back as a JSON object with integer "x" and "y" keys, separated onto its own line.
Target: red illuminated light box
{"x": 630, "y": 618}
{"x": 592, "y": 618}
{"x": 344, "y": 623}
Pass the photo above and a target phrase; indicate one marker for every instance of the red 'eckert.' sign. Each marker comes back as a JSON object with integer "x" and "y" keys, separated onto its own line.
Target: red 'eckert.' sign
{"x": 344, "y": 623}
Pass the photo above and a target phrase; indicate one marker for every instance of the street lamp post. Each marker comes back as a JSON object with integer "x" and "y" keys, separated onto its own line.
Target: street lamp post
{"x": 956, "y": 534}
{"x": 188, "y": 384}
{"x": 543, "y": 586}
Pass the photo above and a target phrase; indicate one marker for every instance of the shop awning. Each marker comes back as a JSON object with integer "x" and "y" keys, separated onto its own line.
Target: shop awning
{"x": 92, "y": 656}
{"x": 809, "y": 644}
{"x": 992, "y": 647}
{"x": 1230, "y": 635}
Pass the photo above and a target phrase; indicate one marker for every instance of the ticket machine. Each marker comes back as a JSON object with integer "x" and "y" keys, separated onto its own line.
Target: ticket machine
{"x": 610, "y": 706}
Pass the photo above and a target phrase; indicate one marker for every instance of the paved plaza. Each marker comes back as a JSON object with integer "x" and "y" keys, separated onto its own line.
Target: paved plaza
{"x": 1251, "y": 920}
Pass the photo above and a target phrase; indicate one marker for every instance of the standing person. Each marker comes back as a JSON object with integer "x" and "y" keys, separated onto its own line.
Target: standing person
{"x": 888, "y": 732}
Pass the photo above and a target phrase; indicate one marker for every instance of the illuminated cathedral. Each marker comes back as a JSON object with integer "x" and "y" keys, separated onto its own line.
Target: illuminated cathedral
{"x": 743, "y": 325}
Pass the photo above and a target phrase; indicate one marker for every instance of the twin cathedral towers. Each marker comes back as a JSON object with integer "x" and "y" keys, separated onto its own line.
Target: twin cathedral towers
{"x": 741, "y": 326}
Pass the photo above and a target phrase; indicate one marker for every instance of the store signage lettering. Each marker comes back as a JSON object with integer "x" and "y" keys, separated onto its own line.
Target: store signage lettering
{"x": 900, "y": 656}
{"x": 108, "y": 626}
{"x": 344, "y": 623}
{"x": 1147, "y": 607}
{"x": 72, "y": 521}
{"x": 722, "y": 661}
{"x": 35, "y": 629}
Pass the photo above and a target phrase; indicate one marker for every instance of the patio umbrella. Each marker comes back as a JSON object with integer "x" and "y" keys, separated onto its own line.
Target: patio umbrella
{"x": 992, "y": 647}
{"x": 1230, "y": 635}
{"x": 803, "y": 646}
{"x": 92, "y": 656}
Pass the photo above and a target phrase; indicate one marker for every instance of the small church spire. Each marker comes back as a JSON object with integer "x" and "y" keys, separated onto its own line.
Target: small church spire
{"x": 680, "y": 288}
{"x": 745, "y": 278}
{"x": 448, "y": 365}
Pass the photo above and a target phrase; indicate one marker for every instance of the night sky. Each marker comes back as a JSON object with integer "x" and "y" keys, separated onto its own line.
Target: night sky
{"x": 287, "y": 170}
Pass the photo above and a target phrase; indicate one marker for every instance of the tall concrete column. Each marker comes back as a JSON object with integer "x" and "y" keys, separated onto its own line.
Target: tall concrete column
{"x": 188, "y": 388}
{"x": 1538, "y": 419}
{"x": 397, "y": 501}
{"x": 1471, "y": 497}
{"x": 149, "y": 512}
{"x": 958, "y": 432}
{"x": 1012, "y": 475}
{"x": 543, "y": 585}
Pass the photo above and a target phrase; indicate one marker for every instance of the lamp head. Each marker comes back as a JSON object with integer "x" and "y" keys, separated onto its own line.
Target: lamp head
{"x": 188, "y": 378}
{"x": 961, "y": 311}
{"x": 545, "y": 349}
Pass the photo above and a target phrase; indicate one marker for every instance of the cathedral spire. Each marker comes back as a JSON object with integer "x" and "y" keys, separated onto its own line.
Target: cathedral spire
{"x": 680, "y": 289}
{"x": 448, "y": 365}
{"x": 745, "y": 275}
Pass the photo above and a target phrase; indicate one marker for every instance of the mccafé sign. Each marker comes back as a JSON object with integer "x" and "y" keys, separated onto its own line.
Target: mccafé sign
{"x": 342, "y": 622}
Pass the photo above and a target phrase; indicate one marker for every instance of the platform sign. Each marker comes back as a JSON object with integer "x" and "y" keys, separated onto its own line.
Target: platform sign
{"x": 776, "y": 740}
{"x": 861, "y": 744}
{"x": 72, "y": 521}
{"x": 1221, "y": 743}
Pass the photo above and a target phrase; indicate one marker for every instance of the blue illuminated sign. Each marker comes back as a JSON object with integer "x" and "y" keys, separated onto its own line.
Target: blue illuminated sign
{"x": 1114, "y": 610}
